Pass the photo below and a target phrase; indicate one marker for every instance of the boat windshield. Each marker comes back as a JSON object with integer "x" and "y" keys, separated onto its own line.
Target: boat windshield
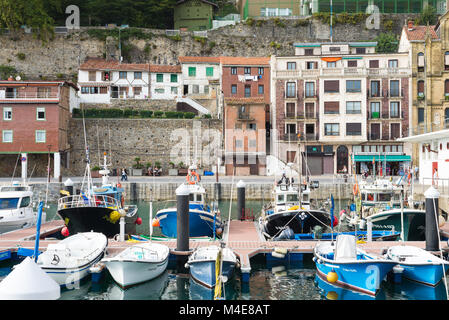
{"x": 9, "y": 189}
{"x": 292, "y": 197}
{"x": 9, "y": 203}
{"x": 384, "y": 196}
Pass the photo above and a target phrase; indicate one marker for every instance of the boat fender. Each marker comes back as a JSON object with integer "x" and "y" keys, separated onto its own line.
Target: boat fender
{"x": 278, "y": 255}
{"x": 156, "y": 222}
{"x": 187, "y": 266}
{"x": 55, "y": 260}
{"x": 281, "y": 250}
{"x": 277, "y": 269}
{"x": 332, "y": 295}
{"x": 332, "y": 276}
{"x": 314, "y": 259}
{"x": 224, "y": 279}
{"x": 115, "y": 216}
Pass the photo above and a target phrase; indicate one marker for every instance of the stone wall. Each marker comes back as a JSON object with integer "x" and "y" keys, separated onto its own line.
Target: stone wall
{"x": 64, "y": 53}
{"x": 151, "y": 140}
{"x": 154, "y": 105}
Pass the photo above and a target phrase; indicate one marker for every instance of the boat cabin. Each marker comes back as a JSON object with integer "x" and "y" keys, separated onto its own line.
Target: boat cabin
{"x": 108, "y": 195}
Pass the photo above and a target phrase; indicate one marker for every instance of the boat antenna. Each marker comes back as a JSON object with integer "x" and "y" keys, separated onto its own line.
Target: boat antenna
{"x": 15, "y": 166}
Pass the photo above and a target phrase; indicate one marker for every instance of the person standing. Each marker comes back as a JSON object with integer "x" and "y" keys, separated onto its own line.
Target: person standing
{"x": 435, "y": 178}
{"x": 124, "y": 175}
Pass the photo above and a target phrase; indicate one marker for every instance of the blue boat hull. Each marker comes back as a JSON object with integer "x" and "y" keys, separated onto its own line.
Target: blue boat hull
{"x": 203, "y": 272}
{"x": 361, "y": 235}
{"x": 426, "y": 274}
{"x": 201, "y": 223}
{"x": 364, "y": 276}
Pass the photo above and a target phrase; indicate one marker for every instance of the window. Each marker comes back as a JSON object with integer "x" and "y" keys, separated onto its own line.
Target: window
{"x": 238, "y": 143}
{"x": 206, "y": 89}
{"x": 392, "y": 63}
{"x": 421, "y": 88}
{"x": 353, "y": 107}
{"x": 192, "y": 71}
{"x": 420, "y": 61}
{"x": 394, "y": 109}
{"x": 375, "y": 88}
{"x": 374, "y": 63}
{"x": 353, "y": 85}
{"x": 105, "y": 76}
{"x": 310, "y": 89}
{"x": 291, "y": 90}
{"x": 310, "y": 110}
{"x": 7, "y": 113}
{"x": 353, "y": 129}
{"x": 252, "y": 143}
{"x": 331, "y": 129}
{"x": 446, "y": 88}
{"x": 331, "y": 107}
{"x": 137, "y": 91}
{"x": 311, "y": 65}
{"x": 247, "y": 91}
{"x": 159, "y": 90}
{"x": 308, "y": 52}
{"x": 174, "y": 90}
{"x": 375, "y": 110}
{"x": 394, "y": 88}
{"x": 331, "y": 86}
{"x": 40, "y": 136}
{"x": 352, "y": 63}
{"x": 93, "y": 90}
{"x": 92, "y": 75}
{"x": 159, "y": 77}
{"x": 247, "y": 70}
{"x": 173, "y": 78}
{"x": 252, "y": 126}
{"x": 234, "y": 89}
{"x": 233, "y": 70}
{"x": 122, "y": 75}
{"x": 103, "y": 90}
{"x": 375, "y": 132}
{"x": 195, "y": 88}
{"x": 291, "y": 65}
{"x": 360, "y": 50}
{"x": 290, "y": 110}
{"x": 260, "y": 89}
{"x": 331, "y": 64}
{"x": 7, "y": 136}
{"x": 85, "y": 90}
{"x": 25, "y": 202}
{"x": 334, "y": 49}
{"x": 260, "y": 71}
{"x": 395, "y": 130}
{"x": 446, "y": 60}
{"x": 420, "y": 115}
{"x": 40, "y": 114}
{"x": 209, "y": 71}
{"x": 138, "y": 75}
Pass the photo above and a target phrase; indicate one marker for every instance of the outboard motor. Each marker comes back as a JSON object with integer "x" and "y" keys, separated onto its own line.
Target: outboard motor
{"x": 286, "y": 234}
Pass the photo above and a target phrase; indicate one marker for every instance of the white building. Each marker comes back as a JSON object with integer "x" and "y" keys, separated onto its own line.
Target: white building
{"x": 335, "y": 100}
{"x": 165, "y": 82}
{"x": 101, "y": 81}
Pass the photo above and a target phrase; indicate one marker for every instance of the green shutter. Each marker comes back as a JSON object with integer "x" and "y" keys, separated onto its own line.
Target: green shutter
{"x": 174, "y": 78}
{"x": 192, "y": 71}
{"x": 209, "y": 71}
{"x": 159, "y": 77}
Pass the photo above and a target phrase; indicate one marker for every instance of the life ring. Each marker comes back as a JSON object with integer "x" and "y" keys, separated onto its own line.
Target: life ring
{"x": 355, "y": 189}
{"x": 190, "y": 176}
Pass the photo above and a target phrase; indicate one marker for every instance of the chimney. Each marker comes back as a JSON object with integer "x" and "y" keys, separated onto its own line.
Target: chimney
{"x": 410, "y": 24}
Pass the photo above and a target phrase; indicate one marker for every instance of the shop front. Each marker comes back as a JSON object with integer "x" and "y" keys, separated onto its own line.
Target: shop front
{"x": 382, "y": 164}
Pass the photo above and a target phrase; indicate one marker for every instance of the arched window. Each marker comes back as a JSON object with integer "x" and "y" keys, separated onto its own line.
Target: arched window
{"x": 342, "y": 159}
{"x": 446, "y": 60}
{"x": 420, "y": 62}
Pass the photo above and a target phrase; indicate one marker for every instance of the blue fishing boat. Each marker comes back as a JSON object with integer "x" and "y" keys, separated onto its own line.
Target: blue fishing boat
{"x": 343, "y": 264}
{"x": 382, "y": 235}
{"x": 206, "y": 263}
{"x": 419, "y": 265}
{"x": 203, "y": 221}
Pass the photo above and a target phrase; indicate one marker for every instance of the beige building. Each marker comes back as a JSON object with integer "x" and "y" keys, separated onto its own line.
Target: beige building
{"x": 428, "y": 49}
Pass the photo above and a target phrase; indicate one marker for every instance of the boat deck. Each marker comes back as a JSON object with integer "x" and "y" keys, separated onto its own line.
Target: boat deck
{"x": 243, "y": 238}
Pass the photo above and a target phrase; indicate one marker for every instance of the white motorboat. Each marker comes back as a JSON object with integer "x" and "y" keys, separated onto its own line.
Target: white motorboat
{"x": 139, "y": 263}
{"x": 69, "y": 260}
{"x": 16, "y": 209}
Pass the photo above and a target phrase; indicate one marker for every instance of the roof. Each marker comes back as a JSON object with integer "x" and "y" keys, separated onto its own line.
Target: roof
{"x": 205, "y": 1}
{"x": 166, "y": 69}
{"x": 192, "y": 59}
{"x": 103, "y": 64}
{"x": 435, "y": 135}
{"x": 419, "y": 32}
{"x": 254, "y": 100}
{"x": 245, "y": 61}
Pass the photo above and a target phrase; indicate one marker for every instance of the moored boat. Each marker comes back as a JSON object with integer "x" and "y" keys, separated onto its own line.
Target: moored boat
{"x": 69, "y": 260}
{"x": 344, "y": 264}
{"x": 139, "y": 263}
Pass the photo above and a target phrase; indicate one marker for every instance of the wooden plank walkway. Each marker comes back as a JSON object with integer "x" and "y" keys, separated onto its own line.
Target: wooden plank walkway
{"x": 243, "y": 238}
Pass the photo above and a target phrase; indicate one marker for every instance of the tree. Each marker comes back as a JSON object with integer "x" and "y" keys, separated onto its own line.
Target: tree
{"x": 428, "y": 16}
{"x": 386, "y": 43}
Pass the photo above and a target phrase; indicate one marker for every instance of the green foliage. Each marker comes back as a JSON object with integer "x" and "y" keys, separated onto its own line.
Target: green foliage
{"x": 158, "y": 114}
{"x": 189, "y": 115}
{"x": 386, "y": 43}
{"x": 157, "y": 164}
{"x": 275, "y": 45}
{"x": 301, "y": 23}
{"x": 21, "y": 56}
{"x": 388, "y": 25}
{"x": 95, "y": 168}
{"x": 6, "y": 71}
{"x": 277, "y": 22}
{"x": 137, "y": 165}
{"x": 146, "y": 113}
{"x": 249, "y": 22}
{"x": 200, "y": 40}
{"x": 207, "y": 116}
{"x": 176, "y": 37}
{"x": 427, "y": 16}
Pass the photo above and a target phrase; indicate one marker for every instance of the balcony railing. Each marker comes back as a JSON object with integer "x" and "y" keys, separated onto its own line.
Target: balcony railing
{"x": 29, "y": 95}
{"x": 310, "y": 115}
{"x": 309, "y": 137}
{"x": 290, "y": 115}
{"x": 290, "y": 137}
{"x": 290, "y": 74}
{"x": 374, "y": 136}
{"x": 244, "y": 116}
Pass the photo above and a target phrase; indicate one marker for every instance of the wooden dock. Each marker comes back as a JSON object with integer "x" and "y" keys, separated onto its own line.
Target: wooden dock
{"x": 243, "y": 238}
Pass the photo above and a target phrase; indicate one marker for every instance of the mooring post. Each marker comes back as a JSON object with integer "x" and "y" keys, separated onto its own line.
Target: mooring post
{"x": 182, "y": 226}
{"x": 240, "y": 199}
{"x": 432, "y": 233}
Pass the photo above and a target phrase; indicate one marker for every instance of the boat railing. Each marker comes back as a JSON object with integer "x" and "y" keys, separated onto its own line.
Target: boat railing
{"x": 80, "y": 200}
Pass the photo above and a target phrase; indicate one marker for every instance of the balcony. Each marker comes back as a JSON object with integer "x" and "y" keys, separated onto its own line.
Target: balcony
{"x": 313, "y": 73}
{"x": 29, "y": 95}
{"x": 374, "y": 136}
{"x": 309, "y": 137}
{"x": 290, "y": 115}
{"x": 290, "y": 137}
{"x": 310, "y": 115}
{"x": 373, "y": 115}
{"x": 244, "y": 116}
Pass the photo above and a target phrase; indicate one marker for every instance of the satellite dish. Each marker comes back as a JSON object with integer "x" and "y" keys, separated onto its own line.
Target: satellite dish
{"x": 18, "y": 78}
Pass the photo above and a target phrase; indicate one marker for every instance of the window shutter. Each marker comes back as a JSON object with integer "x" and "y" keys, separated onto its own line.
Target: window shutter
{"x": 446, "y": 58}
{"x": 421, "y": 85}
{"x": 352, "y": 63}
{"x": 374, "y": 63}
{"x": 446, "y": 86}
{"x": 353, "y": 128}
{"x": 331, "y": 107}
{"x": 331, "y": 86}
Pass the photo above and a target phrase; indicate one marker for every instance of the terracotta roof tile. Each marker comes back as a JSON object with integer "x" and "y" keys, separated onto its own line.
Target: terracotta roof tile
{"x": 192, "y": 59}
{"x": 419, "y": 32}
{"x": 245, "y": 61}
{"x": 102, "y": 64}
{"x": 165, "y": 68}
{"x": 257, "y": 100}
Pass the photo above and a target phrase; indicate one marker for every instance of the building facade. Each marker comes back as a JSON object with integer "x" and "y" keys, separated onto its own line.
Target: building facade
{"x": 338, "y": 106}
{"x": 35, "y": 120}
{"x": 246, "y": 90}
{"x": 194, "y": 15}
{"x": 101, "y": 81}
{"x": 165, "y": 82}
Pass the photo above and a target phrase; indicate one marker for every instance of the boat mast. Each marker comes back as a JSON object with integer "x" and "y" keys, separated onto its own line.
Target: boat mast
{"x": 402, "y": 214}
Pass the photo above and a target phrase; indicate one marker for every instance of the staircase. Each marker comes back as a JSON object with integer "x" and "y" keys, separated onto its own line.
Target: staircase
{"x": 194, "y": 104}
{"x": 276, "y": 167}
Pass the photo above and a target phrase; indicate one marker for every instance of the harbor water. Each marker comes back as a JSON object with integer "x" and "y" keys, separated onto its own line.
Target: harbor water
{"x": 294, "y": 280}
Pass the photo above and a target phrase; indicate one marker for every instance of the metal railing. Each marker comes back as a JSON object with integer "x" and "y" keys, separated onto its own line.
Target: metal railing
{"x": 30, "y": 95}
{"x": 342, "y": 71}
{"x": 76, "y": 201}
{"x": 442, "y": 184}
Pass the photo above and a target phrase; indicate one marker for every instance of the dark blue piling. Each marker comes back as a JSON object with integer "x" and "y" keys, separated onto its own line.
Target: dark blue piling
{"x": 182, "y": 227}
{"x": 241, "y": 200}
{"x": 432, "y": 232}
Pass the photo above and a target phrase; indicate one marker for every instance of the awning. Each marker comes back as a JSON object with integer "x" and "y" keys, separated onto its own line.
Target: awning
{"x": 389, "y": 158}
{"x": 331, "y": 59}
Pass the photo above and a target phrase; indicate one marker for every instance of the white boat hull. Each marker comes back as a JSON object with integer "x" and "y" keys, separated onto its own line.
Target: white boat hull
{"x": 128, "y": 273}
